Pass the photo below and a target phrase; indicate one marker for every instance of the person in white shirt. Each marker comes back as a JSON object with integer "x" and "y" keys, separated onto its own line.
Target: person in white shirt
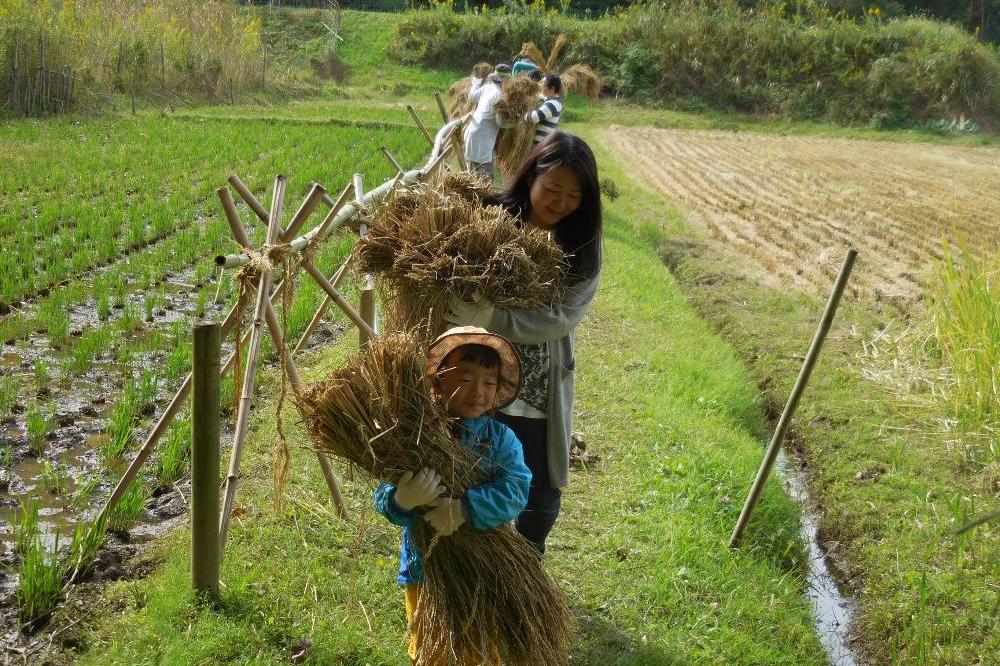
{"x": 481, "y": 132}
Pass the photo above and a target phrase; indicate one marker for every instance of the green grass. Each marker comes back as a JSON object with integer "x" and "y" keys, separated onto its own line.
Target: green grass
{"x": 893, "y": 474}
{"x": 641, "y": 548}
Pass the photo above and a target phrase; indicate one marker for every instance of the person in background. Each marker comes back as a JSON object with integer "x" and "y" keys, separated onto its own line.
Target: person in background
{"x": 524, "y": 64}
{"x": 481, "y": 132}
{"x": 556, "y": 190}
{"x": 546, "y": 115}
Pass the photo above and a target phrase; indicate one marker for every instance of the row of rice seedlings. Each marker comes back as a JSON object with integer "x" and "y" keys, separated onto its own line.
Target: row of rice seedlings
{"x": 121, "y": 423}
{"x": 55, "y": 476}
{"x": 26, "y": 527}
{"x": 8, "y": 396}
{"x": 7, "y": 456}
{"x": 38, "y": 423}
{"x": 965, "y": 309}
{"x": 54, "y": 320}
{"x": 174, "y": 453}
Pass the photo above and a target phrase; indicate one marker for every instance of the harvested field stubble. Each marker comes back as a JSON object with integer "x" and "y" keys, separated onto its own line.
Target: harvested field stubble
{"x": 794, "y": 204}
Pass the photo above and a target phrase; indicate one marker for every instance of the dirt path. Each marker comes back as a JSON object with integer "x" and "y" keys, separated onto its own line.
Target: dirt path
{"x": 793, "y": 204}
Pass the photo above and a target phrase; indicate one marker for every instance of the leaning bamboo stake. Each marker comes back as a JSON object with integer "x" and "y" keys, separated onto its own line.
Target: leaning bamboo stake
{"x": 248, "y": 197}
{"x": 441, "y": 107}
{"x": 321, "y": 310}
{"x": 312, "y": 200}
{"x": 793, "y": 400}
{"x": 243, "y": 414}
{"x": 341, "y": 302}
{"x": 395, "y": 163}
{"x": 420, "y": 124}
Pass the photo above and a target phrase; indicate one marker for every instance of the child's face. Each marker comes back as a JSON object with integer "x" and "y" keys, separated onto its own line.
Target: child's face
{"x": 468, "y": 389}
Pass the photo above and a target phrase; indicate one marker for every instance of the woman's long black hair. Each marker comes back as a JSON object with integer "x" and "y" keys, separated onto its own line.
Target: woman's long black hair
{"x": 579, "y": 233}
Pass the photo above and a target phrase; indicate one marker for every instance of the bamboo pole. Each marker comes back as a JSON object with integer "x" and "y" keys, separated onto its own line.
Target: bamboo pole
{"x": 321, "y": 310}
{"x": 249, "y": 198}
{"x": 388, "y": 156}
{"x": 423, "y": 130}
{"x": 337, "y": 298}
{"x": 312, "y": 200}
{"x": 205, "y": 551}
{"x": 243, "y": 414}
{"x": 441, "y": 107}
{"x": 793, "y": 400}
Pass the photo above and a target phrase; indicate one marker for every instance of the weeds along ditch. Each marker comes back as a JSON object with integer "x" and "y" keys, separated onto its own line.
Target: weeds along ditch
{"x": 88, "y": 356}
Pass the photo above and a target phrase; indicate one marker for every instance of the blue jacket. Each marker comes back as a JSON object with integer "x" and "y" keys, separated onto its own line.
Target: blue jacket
{"x": 490, "y": 505}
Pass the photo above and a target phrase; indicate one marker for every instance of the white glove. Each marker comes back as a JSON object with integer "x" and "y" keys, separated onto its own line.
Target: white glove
{"x": 463, "y": 313}
{"x": 415, "y": 490}
{"x": 446, "y": 516}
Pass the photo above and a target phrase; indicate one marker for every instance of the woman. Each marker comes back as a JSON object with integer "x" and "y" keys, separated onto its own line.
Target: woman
{"x": 556, "y": 190}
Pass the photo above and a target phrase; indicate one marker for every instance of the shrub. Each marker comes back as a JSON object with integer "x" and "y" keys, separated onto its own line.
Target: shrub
{"x": 761, "y": 60}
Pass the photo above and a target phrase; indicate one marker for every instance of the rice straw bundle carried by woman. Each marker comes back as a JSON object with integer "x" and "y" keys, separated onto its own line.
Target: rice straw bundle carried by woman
{"x": 582, "y": 80}
{"x": 431, "y": 242}
{"x": 483, "y": 591}
{"x": 459, "y": 90}
{"x": 520, "y": 95}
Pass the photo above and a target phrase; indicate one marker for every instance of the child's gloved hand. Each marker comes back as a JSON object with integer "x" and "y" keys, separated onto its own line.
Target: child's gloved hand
{"x": 415, "y": 490}
{"x": 446, "y": 516}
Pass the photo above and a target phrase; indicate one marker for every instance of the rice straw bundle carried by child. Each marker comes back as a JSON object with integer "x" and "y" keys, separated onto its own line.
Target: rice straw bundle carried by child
{"x": 582, "y": 80}
{"x": 459, "y": 90}
{"x": 483, "y": 592}
{"x": 520, "y": 94}
{"x": 430, "y": 242}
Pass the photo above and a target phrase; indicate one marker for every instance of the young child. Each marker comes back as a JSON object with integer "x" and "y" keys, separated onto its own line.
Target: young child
{"x": 546, "y": 115}
{"x": 473, "y": 371}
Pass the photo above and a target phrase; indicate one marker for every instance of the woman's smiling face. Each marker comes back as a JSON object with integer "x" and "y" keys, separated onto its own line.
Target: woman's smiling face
{"x": 554, "y": 195}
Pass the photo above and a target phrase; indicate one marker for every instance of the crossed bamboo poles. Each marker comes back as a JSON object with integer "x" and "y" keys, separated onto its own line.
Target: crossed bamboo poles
{"x": 280, "y": 245}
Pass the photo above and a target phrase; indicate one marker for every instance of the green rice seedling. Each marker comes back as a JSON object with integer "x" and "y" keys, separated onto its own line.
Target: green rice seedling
{"x": 103, "y": 306}
{"x": 148, "y": 305}
{"x": 42, "y": 376}
{"x": 26, "y": 529}
{"x": 40, "y": 578}
{"x": 174, "y": 453}
{"x": 120, "y": 425}
{"x": 92, "y": 344}
{"x": 200, "y": 302}
{"x": 87, "y": 540}
{"x": 38, "y": 425}
{"x": 125, "y": 356}
{"x": 128, "y": 510}
{"x": 58, "y": 330}
{"x": 965, "y": 308}
{"x": 131, "y": 320}
{"x": 83, "y": 493}
{"x": 119, "y": 296}
{"x": 8, "y": 396}
{"x": 55, "y": 477}
{"x": 146, "y": 388}
{"x": 7, "y": 457}
{"x": 178, "y": 362}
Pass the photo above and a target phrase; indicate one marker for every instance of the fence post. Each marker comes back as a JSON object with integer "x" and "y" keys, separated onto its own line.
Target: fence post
{"x": 205, "y": 459}
{"x": 14, "y": 82}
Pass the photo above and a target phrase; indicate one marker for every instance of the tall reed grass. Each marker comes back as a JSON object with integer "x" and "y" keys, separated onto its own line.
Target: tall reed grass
{"x": 964, "y": 302}
{"x": 153, "y": 46}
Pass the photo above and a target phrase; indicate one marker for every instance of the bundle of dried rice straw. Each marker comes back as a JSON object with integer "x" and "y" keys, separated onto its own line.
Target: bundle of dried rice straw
{"x": 582, "y": 80}
{"x": 459, "y": 91}
{"x": 481, "y": 589}
{"x": 519, "y": 95}
{"x": 432, "y": 241}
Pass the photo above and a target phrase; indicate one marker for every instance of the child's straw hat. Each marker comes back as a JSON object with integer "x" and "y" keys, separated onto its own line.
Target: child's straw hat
{"x": 510, "y": 363}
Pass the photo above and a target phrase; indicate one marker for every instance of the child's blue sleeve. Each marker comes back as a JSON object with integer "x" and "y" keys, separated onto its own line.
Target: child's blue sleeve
{"x": 385, "y": 503}
{"x": 499, "y": 501}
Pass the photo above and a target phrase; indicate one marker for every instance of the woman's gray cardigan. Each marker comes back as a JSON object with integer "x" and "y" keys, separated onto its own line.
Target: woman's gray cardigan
{"x": 555, "y": 328}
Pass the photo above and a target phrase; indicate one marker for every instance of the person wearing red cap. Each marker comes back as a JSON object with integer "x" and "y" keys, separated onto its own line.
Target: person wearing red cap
{"x": 473, "y": 371}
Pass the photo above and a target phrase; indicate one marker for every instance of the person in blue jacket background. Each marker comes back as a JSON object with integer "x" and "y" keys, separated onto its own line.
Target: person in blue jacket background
{"x": 474, "y": 371}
